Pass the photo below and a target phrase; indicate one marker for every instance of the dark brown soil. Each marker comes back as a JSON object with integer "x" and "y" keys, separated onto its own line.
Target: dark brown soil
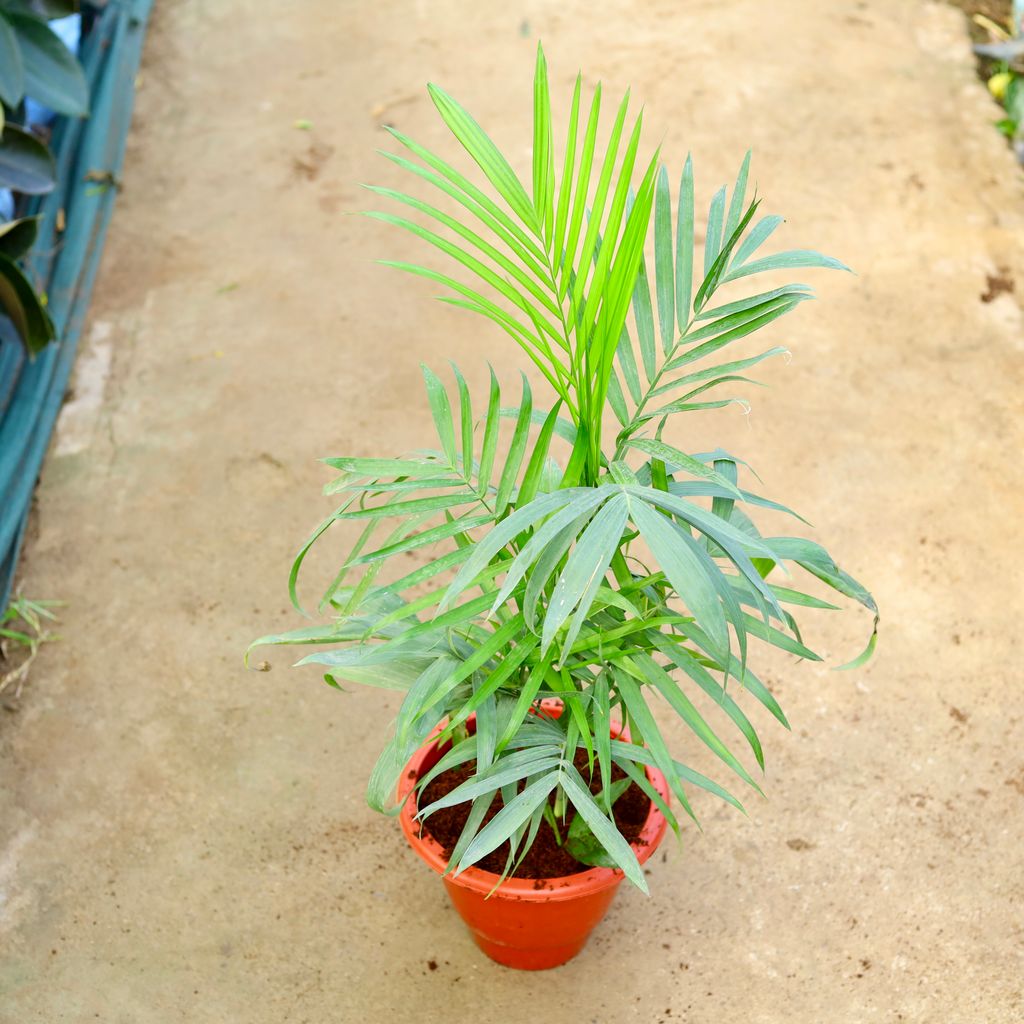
{"x": 546, "y": 859}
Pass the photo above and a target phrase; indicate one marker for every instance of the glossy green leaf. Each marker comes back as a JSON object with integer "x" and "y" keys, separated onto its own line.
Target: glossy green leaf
{"x": 53, "y": 75}
{"x": 26, "y": 165}
{"x": 12, "y": 68}
{"x": 19, "y": 301}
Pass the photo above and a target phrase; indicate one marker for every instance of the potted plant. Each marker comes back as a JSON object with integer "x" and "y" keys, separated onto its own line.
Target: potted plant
{"x": 572, "y": 581}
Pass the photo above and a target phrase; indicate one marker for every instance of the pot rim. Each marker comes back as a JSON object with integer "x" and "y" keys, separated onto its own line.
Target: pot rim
{"x": 565, "y": 887}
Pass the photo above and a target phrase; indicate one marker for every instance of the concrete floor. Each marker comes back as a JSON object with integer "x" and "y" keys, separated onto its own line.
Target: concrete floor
{"x": 186, "y": 841}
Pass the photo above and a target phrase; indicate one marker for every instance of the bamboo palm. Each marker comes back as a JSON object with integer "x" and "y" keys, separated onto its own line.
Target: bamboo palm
{"x": 534, "y": 587}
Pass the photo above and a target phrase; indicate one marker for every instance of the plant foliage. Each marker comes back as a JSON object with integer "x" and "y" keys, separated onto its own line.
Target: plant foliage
{"x": 34, "y": 63}
{"x": 619, "y": 575}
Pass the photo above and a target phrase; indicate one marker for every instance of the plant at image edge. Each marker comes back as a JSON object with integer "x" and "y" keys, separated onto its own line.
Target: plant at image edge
{"x": 613, "y": 577}
{"x": 23, "y": 628}
{"x": 34, "y": 63}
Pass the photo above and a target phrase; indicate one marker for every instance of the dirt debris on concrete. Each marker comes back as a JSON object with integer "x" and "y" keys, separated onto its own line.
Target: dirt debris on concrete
{"x": 184, "y": 840}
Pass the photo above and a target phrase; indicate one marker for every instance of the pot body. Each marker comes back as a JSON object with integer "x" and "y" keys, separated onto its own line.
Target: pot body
{"x": 530, "y": 924}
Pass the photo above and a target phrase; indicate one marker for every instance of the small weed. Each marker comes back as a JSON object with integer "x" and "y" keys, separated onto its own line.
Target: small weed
{"x": 23, "y": 630}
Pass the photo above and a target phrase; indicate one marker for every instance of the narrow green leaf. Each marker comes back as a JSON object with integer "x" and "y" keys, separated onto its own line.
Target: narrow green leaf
{"x": 501, "y": 827}
{"x": 713, "y": 237}
{"x": 664, "y": 270}
{"x": 581, "y": 189}
{"x": 517, "y": 449}
{"x": 604, "y": 831}
{"x": 679, "y": 459}
{"x": 755, "y": 300}
{"x": 487, "y": 156}
{"x": 417, "y": 505}
{"x": 585, "y": 569}
{"x": 535, "y": 467}
{"x": 785, "y": 261}
{"x": 684, "y": 247}
{"x": 759, "y": 234}
{"x": 683, "y": 570}
{"x": 739, "y": 194}
{"x": 432, "y": 536}
{"x": 441, "y": 410}
{"x": 507, "y": 530}
{"x": 543, "y": 150}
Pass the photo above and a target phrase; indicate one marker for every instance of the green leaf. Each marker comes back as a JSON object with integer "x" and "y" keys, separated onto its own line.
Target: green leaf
{"x": 643, "y": 317}
{"x": 501, "y": 827}
{"x": 684, "y": 571}
{"x": 565, "y": 187}
{"x": 543, "y": 149}
{"x": 435, "y": 503}
{"x": 384, "y": 467}
{"x": 634, "y": 753}
{"x": 554, "y": 550}
{"x": 682, "y": 706}
{"x": 465, "y": 422}
{"x": 643, "y": 722}
{"x": 535, "y": 467}
{"x": 785, "y": 261}
{"x": 490, "y": 441}
{"x": 687, "y": 463}
{"x": 17, "y": 236}
{"x": 544, "y": 541}
{"x": 689, "y": 664}
{"x": 584, "y": 572}
{"x": 521, "y": 519}
{"x": 509, "y": 769}
{"x": 581, "y": 842}
{"x": 714, "y": 274}
{"x": 778, "y": 639}
{"x": 487, "y": 156}
{"x": 723, "y": 369}
{"x": 865, "y": 656}
{"x": 684, "y": 246}
{"x": 373, "y": 665}
{"x": 755, "y": 300}
{"x": 20, "y": 302}
{"x": 620, "y": 852}
{"x": 516, "y": 450}
{"x": 713, "y": 238}
{"x": 26, "y": 165}
{"x": 480, "y": 269}
{"x": 432, "y": 536}
{"x": 596, "y": 214}
{"x": 664, "y": 271}
{"x": 12, "y": 68}
{"x": 510, "y": 267}
{"x": 732, "y": 327}
{"x": 581, "y": 189}
{"x": 739, "y": 193}
{"x": 472, "y": 199}
{"x": 441, "y": 410}
{"x": 759, "y": 234}
{"x": 53, "y": 76}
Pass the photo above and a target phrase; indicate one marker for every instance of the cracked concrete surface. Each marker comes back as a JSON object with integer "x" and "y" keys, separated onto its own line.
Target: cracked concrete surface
{"x": 182, "y": 840}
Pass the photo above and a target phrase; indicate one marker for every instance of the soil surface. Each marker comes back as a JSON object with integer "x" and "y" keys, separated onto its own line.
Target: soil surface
{"x": 548, "y": 856}
{"x": 183, "y": 840}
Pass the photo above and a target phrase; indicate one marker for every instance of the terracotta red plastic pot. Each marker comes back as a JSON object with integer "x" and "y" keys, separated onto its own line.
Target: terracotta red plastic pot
{"x": 531, "y": 924}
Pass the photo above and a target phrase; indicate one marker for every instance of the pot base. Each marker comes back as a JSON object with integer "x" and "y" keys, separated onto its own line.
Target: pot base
{"x": 532, "y": 959}
{"x": 535, "y": 933}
